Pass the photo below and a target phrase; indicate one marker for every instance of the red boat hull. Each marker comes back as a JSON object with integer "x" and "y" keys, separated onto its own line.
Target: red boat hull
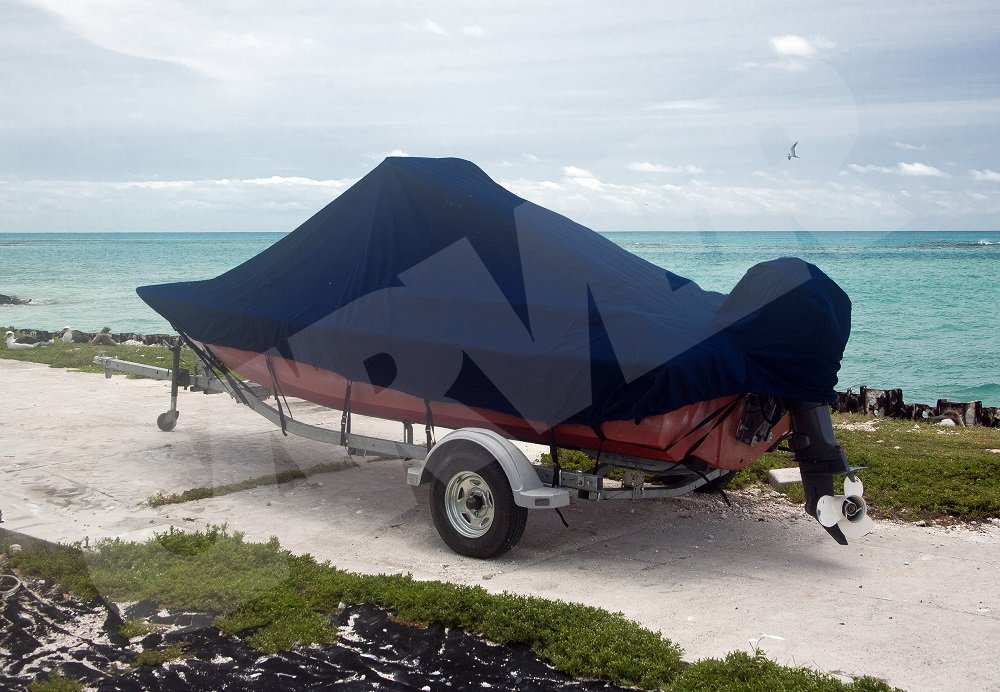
{"x": 668, "y": 437}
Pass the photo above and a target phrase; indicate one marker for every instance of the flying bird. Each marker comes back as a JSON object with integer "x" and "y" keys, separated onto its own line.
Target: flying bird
{"x": 792, "y": 155}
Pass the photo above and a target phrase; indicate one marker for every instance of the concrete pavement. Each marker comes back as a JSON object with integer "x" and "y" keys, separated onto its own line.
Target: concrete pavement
{"x": 918, "y": 607}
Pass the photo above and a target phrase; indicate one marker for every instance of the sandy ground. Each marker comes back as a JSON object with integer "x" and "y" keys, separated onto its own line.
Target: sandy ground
{"x": 916, "y": 606}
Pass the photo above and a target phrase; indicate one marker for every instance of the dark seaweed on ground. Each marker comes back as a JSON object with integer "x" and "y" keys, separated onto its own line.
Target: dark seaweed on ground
{"x": 38, "y": 634}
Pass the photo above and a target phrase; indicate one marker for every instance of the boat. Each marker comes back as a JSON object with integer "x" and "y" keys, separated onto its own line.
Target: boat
{"x": 428, "y": 293}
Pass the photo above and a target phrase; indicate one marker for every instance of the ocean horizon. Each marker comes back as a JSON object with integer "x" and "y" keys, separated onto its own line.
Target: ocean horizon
{"x": 924, "y": 312}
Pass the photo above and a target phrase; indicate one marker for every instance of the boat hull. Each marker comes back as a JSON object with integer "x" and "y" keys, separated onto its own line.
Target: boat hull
{"x": 705, "y": 430}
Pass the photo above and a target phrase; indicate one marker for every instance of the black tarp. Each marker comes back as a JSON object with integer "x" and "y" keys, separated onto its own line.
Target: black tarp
{"x": 428, "y": 277}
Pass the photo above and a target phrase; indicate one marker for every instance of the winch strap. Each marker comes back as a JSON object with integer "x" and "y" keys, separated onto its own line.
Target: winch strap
{"x": 429, "y": 424}
{"x": 721, "y": 415}
{"x": 345, "y": 418}
{"x": 600, "y": 448}
{"x": 278, "y": 396}
{"x": 554, "y": 453}
{"x": 208, "y": 358}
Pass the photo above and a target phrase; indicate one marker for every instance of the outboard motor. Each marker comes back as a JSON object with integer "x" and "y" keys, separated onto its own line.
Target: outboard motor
{"x": 820, "y": 458}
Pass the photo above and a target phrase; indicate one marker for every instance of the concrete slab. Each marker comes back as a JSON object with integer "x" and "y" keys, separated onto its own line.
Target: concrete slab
{"x": 919, "y": 607}
{"x": 782, "y": 478}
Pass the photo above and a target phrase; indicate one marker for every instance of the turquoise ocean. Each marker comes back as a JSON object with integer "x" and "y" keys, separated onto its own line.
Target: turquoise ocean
{"x": 925, "y": 304}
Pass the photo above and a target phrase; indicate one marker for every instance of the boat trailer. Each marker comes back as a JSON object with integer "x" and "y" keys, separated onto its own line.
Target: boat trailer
{"x": 482, "y": 484}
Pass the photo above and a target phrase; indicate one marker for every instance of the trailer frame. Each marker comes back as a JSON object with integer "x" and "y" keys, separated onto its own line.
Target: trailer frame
{"x": 530, "y": 486}
{"x": 482, "y": 484}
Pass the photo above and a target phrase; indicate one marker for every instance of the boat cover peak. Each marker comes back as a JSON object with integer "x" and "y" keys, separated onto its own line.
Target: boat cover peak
{"x": 428, "y": 277}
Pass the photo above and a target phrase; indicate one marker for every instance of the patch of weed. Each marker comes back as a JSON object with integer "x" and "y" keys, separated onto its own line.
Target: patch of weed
{"x": 62, "y": 564}
{"x": 54, "y": 681}
{"x": 130, "y": 629}
{"x": 743, "y": 672}
{"x": 157, "y": 657}
{"x": 201, "y": 493}
{"x": 81, "y": 356}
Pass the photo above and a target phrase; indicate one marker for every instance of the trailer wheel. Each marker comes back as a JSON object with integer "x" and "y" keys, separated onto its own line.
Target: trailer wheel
{"x": 472, "y": 504}
{"x": 167, "y": 421}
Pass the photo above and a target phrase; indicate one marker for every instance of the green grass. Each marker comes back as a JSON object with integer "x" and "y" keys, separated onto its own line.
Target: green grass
{"x": 130, "y": 629}
{"x": 277, "y": 600}
{"x": 203, "y": 492}
{"x": 55, "y": 681}
{"x": 81, "y": 356}
{"x": 912, "y": 470}
{"x": 745, "y": 672}
{"x": 157, "y": 657}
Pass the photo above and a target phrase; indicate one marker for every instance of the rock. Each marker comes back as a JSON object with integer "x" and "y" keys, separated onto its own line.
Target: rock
{"x": 920, "y": 523}
{"x": 12, "y": 300}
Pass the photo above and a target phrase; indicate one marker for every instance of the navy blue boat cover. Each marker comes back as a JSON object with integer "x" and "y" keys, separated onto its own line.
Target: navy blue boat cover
{"x": 429, "y": 278}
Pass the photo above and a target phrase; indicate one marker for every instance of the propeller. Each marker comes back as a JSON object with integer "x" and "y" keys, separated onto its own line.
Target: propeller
{"x": 848, "y": 511}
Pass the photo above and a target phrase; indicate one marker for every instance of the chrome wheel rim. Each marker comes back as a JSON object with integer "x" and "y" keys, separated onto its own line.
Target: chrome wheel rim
{"x": 469, "y": 504}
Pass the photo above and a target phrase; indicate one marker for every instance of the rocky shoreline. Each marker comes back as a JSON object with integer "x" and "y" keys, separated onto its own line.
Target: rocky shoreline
{"x": 886, "y": 403}
{"x": 13, "y": 300}
{"x": 103, "y": 336}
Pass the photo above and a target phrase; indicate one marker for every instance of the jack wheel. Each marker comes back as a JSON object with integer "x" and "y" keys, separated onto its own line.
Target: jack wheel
{"x": 167, "y": 421}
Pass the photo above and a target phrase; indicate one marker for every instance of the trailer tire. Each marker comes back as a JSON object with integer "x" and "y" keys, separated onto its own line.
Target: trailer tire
{"x": 472, "y": 504}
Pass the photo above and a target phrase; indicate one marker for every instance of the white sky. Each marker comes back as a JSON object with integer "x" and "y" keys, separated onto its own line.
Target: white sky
{"x": 166, "y": 115}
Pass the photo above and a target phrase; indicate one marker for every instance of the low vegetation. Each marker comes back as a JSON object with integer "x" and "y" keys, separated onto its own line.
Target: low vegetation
{"x": 912, "y": 470}
{"x": 203, "y": 492}
{"x": 277, "y": 600}
{"x": 55, "y": 682}
{"x": 81, "y": 356}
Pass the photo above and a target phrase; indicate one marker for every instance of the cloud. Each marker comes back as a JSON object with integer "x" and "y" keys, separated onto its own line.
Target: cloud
{"x": 575, "y": 172}
{"x": 794, "y": 50}
{"x": 292, "y": 181}
{"x": 988, "y": 175}
{"x": 907, "y": 169}
{"x": 909, "y": 147}
{"x": 473, "y": 30}
{"x": 433, "y": 27}
{"x": 611, "y": 206}
{"x": 648, "y": 167}
{"x": 795, "y": 46}
{"x": 921, "y": 169}
{"x": 275, "y": 203}
{"x": 685, "y": 105}
{"x": 869, "y": 168}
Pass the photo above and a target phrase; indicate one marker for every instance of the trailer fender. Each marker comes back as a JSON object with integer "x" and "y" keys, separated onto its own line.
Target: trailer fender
{"x": 528, "y": 490}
